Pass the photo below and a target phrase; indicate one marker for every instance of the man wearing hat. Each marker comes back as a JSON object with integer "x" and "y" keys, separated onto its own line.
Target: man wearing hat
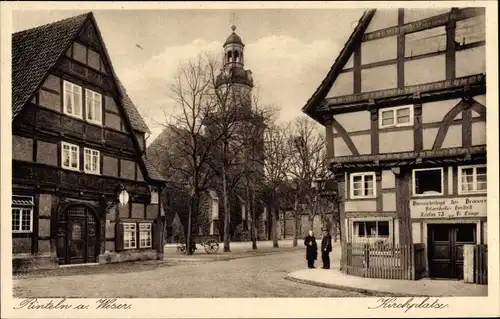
{"x": 326, "y": 248}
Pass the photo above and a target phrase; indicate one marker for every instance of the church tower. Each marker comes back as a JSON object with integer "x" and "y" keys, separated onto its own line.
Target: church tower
{"x": 233, "y": 75}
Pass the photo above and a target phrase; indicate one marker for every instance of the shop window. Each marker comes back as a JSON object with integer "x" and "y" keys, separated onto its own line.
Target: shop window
{"x": 396, "y": 116}
{"x": 22, "y": 214}
{"x": 371, "y": 229}
{"x": 428, "y": 181}
{"x": 362, "y": 185}
{"x": 129, "y": 235}
{"x": 70, "y": 156}
{"x": 145, "y": 235}
{"x": 472, "y": 179}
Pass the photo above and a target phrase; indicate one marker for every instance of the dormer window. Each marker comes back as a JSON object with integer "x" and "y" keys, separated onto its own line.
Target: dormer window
{"x": 154, "y": 194}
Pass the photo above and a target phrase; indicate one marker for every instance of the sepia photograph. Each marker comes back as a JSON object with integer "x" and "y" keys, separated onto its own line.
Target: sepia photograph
{"x": 248, "y": 153}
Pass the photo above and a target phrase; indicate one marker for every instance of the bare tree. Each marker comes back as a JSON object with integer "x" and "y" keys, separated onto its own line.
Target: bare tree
{"x": 252, "y": 135}
{"x": 277, "y": 160}
{"x": 308, "y": 159}
{"x": 184, "y": 154}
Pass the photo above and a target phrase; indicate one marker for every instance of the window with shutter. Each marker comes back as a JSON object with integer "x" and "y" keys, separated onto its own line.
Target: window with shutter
{"x": 119, "y": 237}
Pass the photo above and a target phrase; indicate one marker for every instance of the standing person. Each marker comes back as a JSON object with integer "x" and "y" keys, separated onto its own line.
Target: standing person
{"x": 311, "y": 249}
{"x": 326, "y": 248}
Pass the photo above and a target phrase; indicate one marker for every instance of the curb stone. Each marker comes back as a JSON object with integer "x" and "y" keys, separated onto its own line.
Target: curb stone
{"x": 369, "y": 292}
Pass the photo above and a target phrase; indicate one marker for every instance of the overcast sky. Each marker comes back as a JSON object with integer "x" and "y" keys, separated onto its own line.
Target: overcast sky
{"x": 288, "y": 50}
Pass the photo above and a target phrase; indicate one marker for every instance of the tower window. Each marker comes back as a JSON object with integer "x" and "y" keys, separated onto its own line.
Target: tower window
{"x": 229, "y": 56}
{"x": 236, "y": 56}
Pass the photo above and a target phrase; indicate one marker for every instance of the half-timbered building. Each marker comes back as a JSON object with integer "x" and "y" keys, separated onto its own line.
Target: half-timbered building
{"x": 404, "y": 108}
{"x": 83, "y": 190}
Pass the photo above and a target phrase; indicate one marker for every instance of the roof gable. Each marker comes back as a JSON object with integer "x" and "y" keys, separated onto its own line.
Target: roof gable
{"x": 35, "y": 51}
{"x": 341, "y": 60}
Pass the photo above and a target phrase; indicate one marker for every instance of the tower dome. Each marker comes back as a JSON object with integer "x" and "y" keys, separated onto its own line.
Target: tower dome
{"x": 233, "y": 38}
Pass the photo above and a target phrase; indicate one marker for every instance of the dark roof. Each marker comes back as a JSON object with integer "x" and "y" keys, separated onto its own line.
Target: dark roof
{"x": 152, "y": 171}
{"x": 233, "y": 38}
{"x": 339, "y": 63}
{"x": 35, "y": 51}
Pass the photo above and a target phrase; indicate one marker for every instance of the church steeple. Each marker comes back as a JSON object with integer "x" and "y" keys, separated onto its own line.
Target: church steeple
{"x": 233, "y": 49}
{"x": 233, "y": 64}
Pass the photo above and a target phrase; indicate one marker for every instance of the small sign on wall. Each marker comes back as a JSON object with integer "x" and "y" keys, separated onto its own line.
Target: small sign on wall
{"x": 458, "y": 207}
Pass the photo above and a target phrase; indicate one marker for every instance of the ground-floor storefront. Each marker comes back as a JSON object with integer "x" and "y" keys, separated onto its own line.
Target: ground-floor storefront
{"x": 431, "y": 217}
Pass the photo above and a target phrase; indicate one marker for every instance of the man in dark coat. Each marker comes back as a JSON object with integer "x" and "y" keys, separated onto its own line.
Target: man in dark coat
{"x": 311, "y": 249}
{"x": 326, "y": 248}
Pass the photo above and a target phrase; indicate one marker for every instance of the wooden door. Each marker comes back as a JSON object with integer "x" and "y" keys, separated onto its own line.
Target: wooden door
{"x": 77, "y": 240}
{"x": 445, "y": 248}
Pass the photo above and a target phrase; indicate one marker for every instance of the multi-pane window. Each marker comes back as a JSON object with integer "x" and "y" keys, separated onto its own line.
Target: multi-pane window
{"x": 145, "y": 236}
{"x": 91, "y": 161}
{"x": 129, "y": 235}
{"x": 70, "y": 158}
{"x": 93, "y": 106}
{"x": 396, "y": 116}
{"x": 472, "y": 179}
{"x": 363, "y": 185}
{"x": 428, "y": 181}
{"x": 371, "y": 229}
{"x": 22, "y": 214}
{"x": 72, "y": 99}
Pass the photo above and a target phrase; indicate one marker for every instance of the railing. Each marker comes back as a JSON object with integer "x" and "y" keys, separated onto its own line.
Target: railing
{"x": 384, "y": 261}
{"x": 481, "y": 264}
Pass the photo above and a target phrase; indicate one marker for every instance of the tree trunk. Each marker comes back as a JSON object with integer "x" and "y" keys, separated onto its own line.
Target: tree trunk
{"x": 274, "y": 235}
{"x": 254, "y": 230}
{"x": 189, "y": 237}
{"x": 227, "y": 213}
{"x": 311, "y": 222}
{"x": 296, "y": 223}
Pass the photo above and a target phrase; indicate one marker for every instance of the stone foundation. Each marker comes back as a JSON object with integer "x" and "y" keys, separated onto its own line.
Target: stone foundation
{"x": 28, "y": 262}
{"x": 118, "y": 257}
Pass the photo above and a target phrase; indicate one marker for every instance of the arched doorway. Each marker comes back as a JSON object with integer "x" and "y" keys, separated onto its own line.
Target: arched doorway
{"x": 77, "y": 235}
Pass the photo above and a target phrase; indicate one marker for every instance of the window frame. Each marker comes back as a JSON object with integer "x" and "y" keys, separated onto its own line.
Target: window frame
{"x": 354, "y": 238}
{"x": 147, "y": 231}
{"x": 362, "y": 174}
{"x": 134, "y": 231}
{"x": 394, "y": 111}
{"x": 77, "y": 168}
{"x": 414, "y": 185}
{"x": 90, "y": 94}
{"x": 98, "y": 171}
{"x": 28, "y": 207}
{"x": 65, "y": 106}
{"x": 474, "y": 182}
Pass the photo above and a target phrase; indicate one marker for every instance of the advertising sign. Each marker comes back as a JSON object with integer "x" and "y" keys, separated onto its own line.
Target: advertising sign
{"x": 459, "y": 207}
